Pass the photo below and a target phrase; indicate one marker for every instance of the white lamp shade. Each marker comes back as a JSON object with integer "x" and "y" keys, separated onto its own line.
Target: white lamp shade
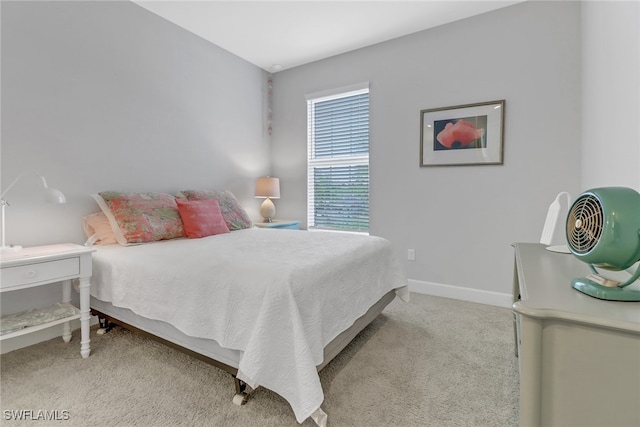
{"x": 55, "y": 196}
{"x": 268, "y": 186}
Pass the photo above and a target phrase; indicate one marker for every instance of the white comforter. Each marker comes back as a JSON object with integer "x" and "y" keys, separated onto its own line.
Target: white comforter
{"x": 279, "y": 296}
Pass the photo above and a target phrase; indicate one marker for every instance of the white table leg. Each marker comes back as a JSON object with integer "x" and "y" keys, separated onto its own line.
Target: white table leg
{"x": 66, "y": 298}
{"x": 85, "y": 317}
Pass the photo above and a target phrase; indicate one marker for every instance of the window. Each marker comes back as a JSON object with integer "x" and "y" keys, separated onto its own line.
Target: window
{"x": 338, "y": 160}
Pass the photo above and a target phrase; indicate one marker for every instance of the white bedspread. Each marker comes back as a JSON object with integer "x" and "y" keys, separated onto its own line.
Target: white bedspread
{"x": 279, "y": 296}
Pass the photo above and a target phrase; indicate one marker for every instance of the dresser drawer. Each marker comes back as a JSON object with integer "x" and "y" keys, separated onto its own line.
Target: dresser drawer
{"x": 40, "y": 272}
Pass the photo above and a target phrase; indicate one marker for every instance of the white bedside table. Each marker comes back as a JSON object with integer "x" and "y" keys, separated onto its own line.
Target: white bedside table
{"x": 279, "y": 223}
{"x": 43, "y": 265}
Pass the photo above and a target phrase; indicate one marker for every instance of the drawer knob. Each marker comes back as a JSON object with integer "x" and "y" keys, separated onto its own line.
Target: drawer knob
{"x": 31, "y": 274}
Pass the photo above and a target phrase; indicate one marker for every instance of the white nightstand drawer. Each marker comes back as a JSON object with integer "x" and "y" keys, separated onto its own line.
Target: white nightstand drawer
{"x": 40, "y": 272}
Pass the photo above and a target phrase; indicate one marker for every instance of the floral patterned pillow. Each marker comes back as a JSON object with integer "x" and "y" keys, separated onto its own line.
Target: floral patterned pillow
{"x": 141, "y": 217}
{"x": 234, "y": 215}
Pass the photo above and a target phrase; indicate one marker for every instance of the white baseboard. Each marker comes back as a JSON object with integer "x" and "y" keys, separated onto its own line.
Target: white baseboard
{"x": 42, "y": 335}
{"x": 457, "y": 292}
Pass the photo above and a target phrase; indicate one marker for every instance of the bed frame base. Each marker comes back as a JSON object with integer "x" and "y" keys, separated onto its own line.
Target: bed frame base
{"x": 243, "y": 391}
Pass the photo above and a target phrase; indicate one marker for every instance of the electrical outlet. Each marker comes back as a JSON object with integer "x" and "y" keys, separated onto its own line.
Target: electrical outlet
{"x": 411, "y": 254}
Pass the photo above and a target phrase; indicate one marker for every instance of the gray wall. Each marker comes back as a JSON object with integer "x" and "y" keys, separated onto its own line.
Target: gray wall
{"x": 611, "y": 94}
{"x": 460, "y": 220}
{"x": 108, "y": 96}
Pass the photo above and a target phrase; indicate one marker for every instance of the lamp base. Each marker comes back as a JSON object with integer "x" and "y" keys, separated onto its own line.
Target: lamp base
{"x": 267, "y": 210}
{"x": 10, "y": 249}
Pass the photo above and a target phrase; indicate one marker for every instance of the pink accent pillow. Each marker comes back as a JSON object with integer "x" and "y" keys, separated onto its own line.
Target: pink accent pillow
{"x": 201, "y": 218}
{"x": 141, "y": 217}
{"x": 234, "y": 215}
{"x": 98, "y": 224}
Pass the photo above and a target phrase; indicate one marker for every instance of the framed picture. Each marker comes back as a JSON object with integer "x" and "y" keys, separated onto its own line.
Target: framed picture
{"x": 469, "y": 134}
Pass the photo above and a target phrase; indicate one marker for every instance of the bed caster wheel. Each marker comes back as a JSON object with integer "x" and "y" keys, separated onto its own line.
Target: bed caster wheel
{"x": 105, "y": 326}
{"x": 239, "y": 399}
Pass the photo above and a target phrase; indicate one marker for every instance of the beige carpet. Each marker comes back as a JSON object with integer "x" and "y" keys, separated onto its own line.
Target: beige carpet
{"x": 430, "y": 362}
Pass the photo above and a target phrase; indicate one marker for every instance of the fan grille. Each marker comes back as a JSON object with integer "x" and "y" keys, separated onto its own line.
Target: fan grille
{"x": 584, "y": 224}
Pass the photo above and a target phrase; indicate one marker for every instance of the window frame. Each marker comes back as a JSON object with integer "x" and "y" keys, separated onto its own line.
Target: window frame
{"x": 337, "y": 161}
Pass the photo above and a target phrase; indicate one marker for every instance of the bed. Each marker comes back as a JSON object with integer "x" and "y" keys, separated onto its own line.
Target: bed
{"x": 272, "y": 307}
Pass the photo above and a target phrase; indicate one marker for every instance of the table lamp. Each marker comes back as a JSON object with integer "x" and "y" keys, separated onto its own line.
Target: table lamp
{"x": 268, "y": 188}
{"x": 52, "y": 195}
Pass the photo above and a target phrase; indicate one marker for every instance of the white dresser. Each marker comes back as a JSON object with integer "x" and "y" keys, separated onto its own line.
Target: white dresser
{"x": 45, "y": 265}
{"x": 579, "y": 356}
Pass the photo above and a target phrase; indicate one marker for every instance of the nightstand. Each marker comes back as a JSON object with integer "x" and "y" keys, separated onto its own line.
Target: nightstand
{"x": 44, "y": 265}
{"x": 279, "y": 223}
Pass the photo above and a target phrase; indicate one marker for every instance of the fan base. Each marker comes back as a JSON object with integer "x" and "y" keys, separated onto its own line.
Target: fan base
{"x": 595, "y": 290}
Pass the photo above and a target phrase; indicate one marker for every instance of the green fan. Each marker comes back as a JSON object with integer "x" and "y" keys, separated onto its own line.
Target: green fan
{"x": 603, "y": 230}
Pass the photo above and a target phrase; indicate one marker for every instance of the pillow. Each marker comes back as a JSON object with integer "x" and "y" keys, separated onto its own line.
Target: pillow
{"x": 201, "y": 218}
{"x": 141, "y": 217}
{"x": 98, "y": 224}
{"x": 234, "y": 215}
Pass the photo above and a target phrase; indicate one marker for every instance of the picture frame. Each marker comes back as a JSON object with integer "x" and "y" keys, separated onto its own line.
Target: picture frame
{"x": 470, "y": 134}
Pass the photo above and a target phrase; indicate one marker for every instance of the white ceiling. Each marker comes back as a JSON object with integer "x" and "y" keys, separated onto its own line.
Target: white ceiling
{"x": 276, "y": 35}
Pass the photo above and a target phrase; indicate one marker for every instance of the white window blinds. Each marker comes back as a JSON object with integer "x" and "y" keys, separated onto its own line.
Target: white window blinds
{"x": 338, "y": 161}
